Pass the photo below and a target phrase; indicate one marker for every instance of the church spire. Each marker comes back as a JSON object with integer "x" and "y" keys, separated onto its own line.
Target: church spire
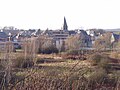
{"x": 65, "y": 27}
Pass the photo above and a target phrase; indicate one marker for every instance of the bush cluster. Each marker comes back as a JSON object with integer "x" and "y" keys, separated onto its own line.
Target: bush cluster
{"x": 95, "y": 58}
{"x": 48, "y": 50}
{"x": 1, "y": 66}
{"x": 74, "y": 52}
{"x": 100, "y": 60}
{"x": 22, "y": 62}
{"x": 99, "y": 79}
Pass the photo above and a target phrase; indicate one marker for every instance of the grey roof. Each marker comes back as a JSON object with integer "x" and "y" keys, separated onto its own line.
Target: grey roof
{"x": 72, "y": 32}
{"x": 3, "y": 35}
{"x": 83, "y": 32}
{"x": 83, "y": 35}
{"x": 25, "y": 33}
{"x": 13, "y": 32}
{"x": 116, "y": 37}
{"x": 36, "y": 32}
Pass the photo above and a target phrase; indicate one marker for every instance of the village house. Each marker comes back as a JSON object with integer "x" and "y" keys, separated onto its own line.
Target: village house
{"x": 3, "y": 36}
{"x": 85, "y": 39}
{"x": 115, "y": 38}
{"x": 95, "y": 34}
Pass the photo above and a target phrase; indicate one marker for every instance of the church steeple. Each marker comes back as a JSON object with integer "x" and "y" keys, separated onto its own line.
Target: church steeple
{"x": 65, "y": 27}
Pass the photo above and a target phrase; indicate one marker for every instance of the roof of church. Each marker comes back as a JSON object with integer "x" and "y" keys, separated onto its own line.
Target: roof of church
{"x": 65, "y": 27}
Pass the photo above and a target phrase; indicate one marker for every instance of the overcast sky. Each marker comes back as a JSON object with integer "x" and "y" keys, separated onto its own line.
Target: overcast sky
{"x": 45, "y": 14}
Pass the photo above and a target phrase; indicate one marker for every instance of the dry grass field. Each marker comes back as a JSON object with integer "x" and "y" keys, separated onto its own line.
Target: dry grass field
{"x": 53, "y": 72}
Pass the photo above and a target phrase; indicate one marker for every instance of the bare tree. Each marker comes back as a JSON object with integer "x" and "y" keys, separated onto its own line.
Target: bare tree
{"x": 30, "y": 48}
{"x": 103, "y": 42}
{"x": 7, "y": 63}
{"x": 41, "y": 40}
{"x": 73, "y": 42}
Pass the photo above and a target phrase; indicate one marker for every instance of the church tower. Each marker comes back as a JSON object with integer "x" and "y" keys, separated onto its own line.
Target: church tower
{"x": 65, "y": 27}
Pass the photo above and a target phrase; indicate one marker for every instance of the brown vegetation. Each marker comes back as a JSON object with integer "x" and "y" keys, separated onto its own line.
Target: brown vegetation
{"x": 27, "y": 70}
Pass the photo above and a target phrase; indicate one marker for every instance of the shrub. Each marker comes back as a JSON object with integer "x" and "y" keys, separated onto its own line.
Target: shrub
{"x": 72, "y": 52}
{"x": 96, "y": 78}
{"x": 1, "y": 76}
{"x": 101, "y": 61}
{"x": 95, "y": 58}
{"x": 104, "y": 63}
{"x": 40, "y": 60}
{"x": 21, "y": 62}
{"x": 75, "y": 52}
{"x": 99, "y": 79}
{"x": 48, "y": 50}
{"x": 1, "y": 66}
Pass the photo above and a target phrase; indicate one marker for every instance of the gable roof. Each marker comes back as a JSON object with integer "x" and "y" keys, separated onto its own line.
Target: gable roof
{"x": 83, "y": 34}
{"x": 13, "y": 32}
{"x": 116, "y": 37}
{"x": 25, "y": 33}
{"x": 3, "y": 35}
